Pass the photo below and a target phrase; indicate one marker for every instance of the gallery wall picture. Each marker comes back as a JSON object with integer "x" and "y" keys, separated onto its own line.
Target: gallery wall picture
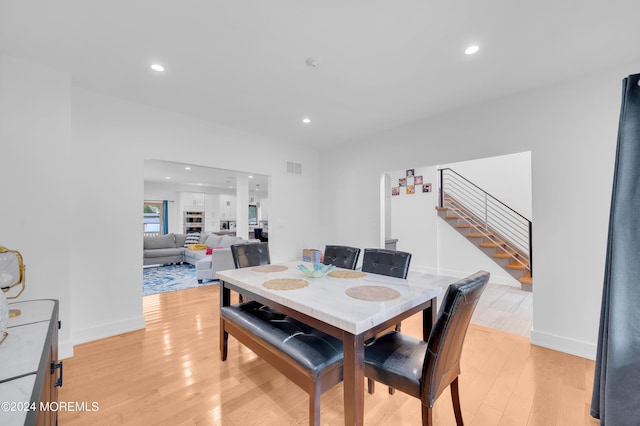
{"x": 410, "y": 181}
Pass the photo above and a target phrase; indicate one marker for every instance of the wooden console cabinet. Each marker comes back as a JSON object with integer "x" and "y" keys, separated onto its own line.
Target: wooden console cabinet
{"x": 31, "y": 372}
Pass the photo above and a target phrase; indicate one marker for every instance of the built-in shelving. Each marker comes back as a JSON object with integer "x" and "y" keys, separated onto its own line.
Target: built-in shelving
{"x": 193, "y": 222}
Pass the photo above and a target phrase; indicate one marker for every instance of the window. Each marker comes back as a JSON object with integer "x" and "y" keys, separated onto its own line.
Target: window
{"x": 253, "y": 215}
{"x": 152, "y": 222}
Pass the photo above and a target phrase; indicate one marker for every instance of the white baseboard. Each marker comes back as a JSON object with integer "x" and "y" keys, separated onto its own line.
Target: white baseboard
{"x": 65, "y": 349}
{"x": 108, "y": 330}
{"x": 564, "y": 344}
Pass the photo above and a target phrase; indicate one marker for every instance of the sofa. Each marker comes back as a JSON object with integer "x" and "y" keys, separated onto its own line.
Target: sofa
{"x": 173, "y": 248}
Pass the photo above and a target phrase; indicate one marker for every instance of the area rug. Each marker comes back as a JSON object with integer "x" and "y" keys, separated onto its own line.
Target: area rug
{"x": 161, "y": 279}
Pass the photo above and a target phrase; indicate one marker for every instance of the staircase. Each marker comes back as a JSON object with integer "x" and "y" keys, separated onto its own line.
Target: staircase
{"x": 498, "y": 231}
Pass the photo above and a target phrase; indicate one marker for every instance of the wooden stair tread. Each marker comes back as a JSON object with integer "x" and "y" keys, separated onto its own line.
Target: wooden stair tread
{"x": 517, "y": 266}
{"x": 492, "y": 244}
{"x": 478, "y": 235}
{"x": 463, "y": 225}
{"x": 457, "y": 217}
{"x": 441, "y": 208}
{"x": 526, "y": 280}
{"x": 505, "y": 255}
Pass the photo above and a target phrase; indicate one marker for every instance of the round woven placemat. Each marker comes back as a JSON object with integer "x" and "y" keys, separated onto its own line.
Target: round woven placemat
{"x": 285, "y": 284}
{"x": 347, "y": 274}
{"x": 269, "y": 268}
{"x": 372, "y": 293}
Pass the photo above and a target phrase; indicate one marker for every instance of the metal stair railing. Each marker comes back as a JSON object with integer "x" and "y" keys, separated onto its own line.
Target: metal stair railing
{"x": 494, "y": 219}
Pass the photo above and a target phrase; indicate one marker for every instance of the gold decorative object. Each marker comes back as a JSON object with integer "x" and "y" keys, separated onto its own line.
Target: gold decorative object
{"x": 11, "y": 275}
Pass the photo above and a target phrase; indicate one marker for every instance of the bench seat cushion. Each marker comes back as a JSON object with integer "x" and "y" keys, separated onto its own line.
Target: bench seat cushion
{"x": 311, "y": 348}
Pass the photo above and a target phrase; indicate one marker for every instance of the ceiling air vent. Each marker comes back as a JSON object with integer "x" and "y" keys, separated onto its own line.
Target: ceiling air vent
{"x": 294, "y": 167}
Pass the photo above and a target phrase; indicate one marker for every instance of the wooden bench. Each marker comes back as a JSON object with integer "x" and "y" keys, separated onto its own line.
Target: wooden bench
{"x": 310, "y": 358}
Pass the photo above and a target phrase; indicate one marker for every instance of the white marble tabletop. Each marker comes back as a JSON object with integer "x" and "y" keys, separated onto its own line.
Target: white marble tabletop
{"x": 325, "y": 298}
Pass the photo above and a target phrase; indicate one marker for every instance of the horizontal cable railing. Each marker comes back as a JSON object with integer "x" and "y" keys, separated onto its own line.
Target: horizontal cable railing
{"x": 499, "y": 222}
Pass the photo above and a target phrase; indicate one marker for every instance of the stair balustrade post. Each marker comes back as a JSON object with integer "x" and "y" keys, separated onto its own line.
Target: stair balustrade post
{"x": 531, "y": 248}
{"x": 441, "y": 188}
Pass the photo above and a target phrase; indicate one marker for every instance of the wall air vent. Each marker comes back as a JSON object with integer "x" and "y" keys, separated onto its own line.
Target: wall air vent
{"x": 294, "y": 167}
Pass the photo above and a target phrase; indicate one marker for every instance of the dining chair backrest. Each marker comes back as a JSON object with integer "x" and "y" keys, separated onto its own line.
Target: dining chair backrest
{"x": 252, "y": 254}
{"x": 392, "y": 263}
{"x": 341, "y": 256}
{"x": 444, "y": 348}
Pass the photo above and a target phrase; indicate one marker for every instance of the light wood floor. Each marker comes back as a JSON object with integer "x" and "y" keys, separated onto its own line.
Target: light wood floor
{"x": 171, "y": 374}
{"x": 505, "y": 308}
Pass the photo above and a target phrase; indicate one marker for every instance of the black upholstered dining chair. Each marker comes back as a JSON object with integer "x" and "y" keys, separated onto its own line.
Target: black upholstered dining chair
{"x": 341, "y": 256}
{"x": 252, "y": 254}
{"x": 392, "y": 263}
{"x": 425, "y": 369}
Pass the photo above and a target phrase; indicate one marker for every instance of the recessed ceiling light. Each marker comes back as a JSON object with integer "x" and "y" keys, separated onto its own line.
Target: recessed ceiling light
{"x": 187, "y": 168}
{"x": 167, "y": 177}
{"x": 471, "y": 50}
{"x": 306, "y": 120}
{"x": 250, "y": 177}
{"x": 157, "y": 67}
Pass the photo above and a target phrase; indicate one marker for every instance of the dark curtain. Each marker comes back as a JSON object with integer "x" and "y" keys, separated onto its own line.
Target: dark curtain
{"x": 165, "y": 217}
{"x": 616, "y": 387}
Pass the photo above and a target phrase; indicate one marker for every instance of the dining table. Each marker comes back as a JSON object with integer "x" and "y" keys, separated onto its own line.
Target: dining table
{"x": 349, "y": 305}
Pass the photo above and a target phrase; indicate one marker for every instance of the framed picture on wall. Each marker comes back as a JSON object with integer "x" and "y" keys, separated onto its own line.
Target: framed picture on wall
{"x": 426, "y": 187}
{"x": 402, "y": 182}
{"x": 395, "y": 190}
{"x": 417, "y": 180}
{"x": 410, "y": 172}
{"x": 411, "y": 189}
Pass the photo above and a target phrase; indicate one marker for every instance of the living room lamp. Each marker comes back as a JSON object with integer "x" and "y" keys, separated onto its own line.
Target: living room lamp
{"x": 11, "y": 275}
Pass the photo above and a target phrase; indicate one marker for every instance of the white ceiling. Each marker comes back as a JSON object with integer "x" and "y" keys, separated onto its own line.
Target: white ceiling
{"x": 382, "y": 63}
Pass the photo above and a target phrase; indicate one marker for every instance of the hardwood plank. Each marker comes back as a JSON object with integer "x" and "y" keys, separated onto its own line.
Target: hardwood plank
{"x": 171, "y": 373}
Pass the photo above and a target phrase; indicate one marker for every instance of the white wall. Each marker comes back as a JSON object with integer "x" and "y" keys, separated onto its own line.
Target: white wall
{"x": 78, "y": 157}
{"x": 570, "y": 129}
{"x": 35, "y": 139}
{"x": 435, "y": 245}
{"x": 413, "y": 218}
{"x": 110, "y": 133}
{"x": 506, "y": 177}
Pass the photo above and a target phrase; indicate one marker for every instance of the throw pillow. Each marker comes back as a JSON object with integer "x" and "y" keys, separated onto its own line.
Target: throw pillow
{"x": 213, "y": 240}
{"x": 228, "y": 241}
{"x": 192, "y": 239}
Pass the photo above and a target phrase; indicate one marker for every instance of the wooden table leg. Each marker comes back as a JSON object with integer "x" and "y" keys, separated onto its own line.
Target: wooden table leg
{"x": 429, "y": 315}
{"x": 353, "y": 379}
{"x": 225, "y": 295}
{"x": 225, "y": 300}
